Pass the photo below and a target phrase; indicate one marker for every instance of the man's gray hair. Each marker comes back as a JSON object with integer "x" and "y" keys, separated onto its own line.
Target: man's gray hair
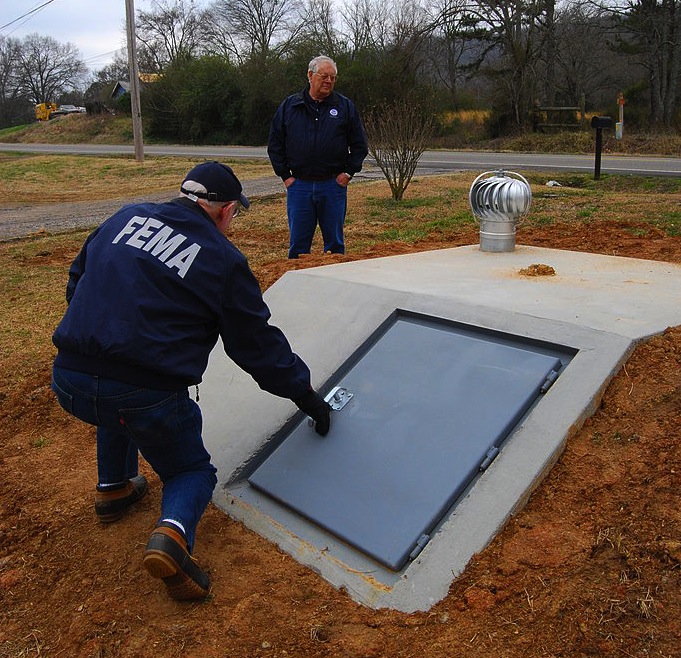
{"x": 321, "y": 59}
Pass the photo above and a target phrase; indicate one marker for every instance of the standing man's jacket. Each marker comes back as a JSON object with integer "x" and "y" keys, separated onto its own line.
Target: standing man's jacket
{"x": 166, "y": 286}
{"x": 316, "y": 140}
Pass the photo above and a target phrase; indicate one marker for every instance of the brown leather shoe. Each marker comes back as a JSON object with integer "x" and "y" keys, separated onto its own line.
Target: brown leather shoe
{"x": 166, "y": 557}
{"x": 111, "y": 503}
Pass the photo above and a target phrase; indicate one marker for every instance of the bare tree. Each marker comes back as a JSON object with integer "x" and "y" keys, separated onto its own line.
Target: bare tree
{"x": 171, "y": 31}
{"x": 650, "y": 31}
{"x": 458, "y": 46}
{"x": 407, "y": 19}
{"x": 455, "y": 49}
{"x": 398, "y": 135}
{"x": 585, "y": 62}
{"x": 10, "y": 84}
{"x": 48, "y": 68}
{"x": 318, "y": 27}
{"x": 116, "y": 70}
{"x": 409, "y": 30}
{"x": 363, "y": 28}
{"x": 516, "y": 29}
{"x": 219, "y": 37}
{"x": 259, "y": 28}
{"x": 387, "y": 42}
{"x": 550, "y": 53}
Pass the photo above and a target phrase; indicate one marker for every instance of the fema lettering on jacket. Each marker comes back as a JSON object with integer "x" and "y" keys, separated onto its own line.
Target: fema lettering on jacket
{"x": 161, "y": 241}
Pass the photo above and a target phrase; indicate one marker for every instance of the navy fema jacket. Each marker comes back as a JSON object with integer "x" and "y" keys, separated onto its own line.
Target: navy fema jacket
{"x": 312, "y": 140}
{"x": 151, "y": 291}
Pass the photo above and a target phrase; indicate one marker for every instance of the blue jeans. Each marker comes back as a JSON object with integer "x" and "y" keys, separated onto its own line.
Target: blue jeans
{"x": 309, "y": 203}
{"x": 165, "y": 426}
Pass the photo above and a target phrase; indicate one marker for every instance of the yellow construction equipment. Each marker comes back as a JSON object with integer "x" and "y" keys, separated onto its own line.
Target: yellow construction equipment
{"x": 43, "y": 111}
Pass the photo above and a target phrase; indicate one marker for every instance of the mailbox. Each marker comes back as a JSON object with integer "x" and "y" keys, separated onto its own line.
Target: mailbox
{"x": 601, "y": 122}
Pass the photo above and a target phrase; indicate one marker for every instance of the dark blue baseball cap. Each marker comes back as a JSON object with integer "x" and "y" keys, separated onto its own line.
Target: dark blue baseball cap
{"x": 214, "y": 182}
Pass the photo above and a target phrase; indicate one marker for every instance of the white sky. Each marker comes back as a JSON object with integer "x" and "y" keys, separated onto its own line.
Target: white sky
{"x": 95, "y": 27}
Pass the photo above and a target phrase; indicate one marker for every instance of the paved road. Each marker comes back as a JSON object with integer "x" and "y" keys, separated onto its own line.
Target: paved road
{"x": 439, "y": 160}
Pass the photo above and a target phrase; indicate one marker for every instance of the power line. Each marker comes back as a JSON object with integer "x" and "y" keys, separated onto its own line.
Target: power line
{"x": 96, "y": 57}
{"x": 97, "y": 62}
{"x": 28, "y": 13}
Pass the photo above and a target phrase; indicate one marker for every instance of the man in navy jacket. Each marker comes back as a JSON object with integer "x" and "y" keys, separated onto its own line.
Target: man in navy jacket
{"x": 317, "y": 143}
{"x": 149, "y": 294}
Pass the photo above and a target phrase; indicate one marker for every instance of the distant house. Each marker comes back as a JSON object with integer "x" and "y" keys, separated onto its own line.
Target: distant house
{"x": 120, "y": 88}
{"x": 123, "y": 87}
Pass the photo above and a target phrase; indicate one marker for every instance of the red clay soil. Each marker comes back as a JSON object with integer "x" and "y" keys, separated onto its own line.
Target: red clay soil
{"x": 590, "y": 567}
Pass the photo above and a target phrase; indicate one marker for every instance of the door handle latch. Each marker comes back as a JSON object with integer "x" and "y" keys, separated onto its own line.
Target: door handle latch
{"x": 337, "y": 398}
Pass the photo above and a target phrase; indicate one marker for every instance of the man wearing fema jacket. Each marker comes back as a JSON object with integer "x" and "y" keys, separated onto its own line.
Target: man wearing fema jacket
{"x": 317, "y": 143}
{"x": 149, "y": 294}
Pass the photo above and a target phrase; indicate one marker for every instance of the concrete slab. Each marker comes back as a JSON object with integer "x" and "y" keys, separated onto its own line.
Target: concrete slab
{"x": 599, "y": 306}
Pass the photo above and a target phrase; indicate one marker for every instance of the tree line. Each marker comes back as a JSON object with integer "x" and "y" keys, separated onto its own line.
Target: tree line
{"x": 222, "y": 69}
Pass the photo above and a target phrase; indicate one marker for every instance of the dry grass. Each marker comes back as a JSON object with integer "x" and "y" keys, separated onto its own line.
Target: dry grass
{"x": 582, "y": 142}
{"x": 57, "y": 179}
{"x": 74, "y": 129}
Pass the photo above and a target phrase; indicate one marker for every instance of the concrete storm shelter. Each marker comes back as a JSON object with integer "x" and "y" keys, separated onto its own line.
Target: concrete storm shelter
{"x": 456, "y": 382}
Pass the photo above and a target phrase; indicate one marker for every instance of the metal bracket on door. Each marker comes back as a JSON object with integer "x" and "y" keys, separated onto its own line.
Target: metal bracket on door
{"x": 337, "y": 398}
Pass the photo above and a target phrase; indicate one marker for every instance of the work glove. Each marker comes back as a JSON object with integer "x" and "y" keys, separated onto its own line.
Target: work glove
{"x": 316, "y": 408}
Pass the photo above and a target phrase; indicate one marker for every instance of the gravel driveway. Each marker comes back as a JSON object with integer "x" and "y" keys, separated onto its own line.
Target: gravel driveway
{"x": 19, "y": 221}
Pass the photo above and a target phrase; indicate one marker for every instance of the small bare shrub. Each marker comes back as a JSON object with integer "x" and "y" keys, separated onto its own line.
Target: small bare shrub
{"x": 398, "y": 135}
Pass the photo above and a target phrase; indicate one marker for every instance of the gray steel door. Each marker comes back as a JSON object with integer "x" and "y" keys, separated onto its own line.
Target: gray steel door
{"x": 430, "y": 403}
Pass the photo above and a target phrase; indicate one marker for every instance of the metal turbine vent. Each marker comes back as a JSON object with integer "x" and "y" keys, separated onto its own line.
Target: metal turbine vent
{"x": 499, "y": 199}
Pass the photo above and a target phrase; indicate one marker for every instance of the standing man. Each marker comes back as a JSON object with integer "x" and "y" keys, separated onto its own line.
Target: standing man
{"x": 316, "y": 145}
{"x": 148, "y": 296}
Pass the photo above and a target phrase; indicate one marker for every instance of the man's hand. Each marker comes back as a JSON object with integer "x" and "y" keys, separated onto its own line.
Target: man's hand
{"x": 316, "y": 408}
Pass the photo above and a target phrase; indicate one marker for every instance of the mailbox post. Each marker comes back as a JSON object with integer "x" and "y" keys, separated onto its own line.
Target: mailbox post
{"x": 599, "y": 123}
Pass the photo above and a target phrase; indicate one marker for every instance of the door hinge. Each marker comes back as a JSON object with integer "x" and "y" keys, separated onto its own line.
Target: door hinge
{"x": 548, "y": 382}
{"x": 489, "y": 458}
{"x": 420, "y": 545}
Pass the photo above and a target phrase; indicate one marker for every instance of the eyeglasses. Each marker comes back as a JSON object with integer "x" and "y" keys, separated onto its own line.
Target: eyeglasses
{"x": 326, "y": 77}
{"x": 236, "y": 209}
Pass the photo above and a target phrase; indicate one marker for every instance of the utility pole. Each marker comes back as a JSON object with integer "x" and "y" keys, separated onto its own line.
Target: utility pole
{"x": 134, "y": 81}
